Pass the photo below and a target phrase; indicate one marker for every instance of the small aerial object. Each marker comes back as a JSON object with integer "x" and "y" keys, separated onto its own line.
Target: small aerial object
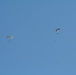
{"x": 9, "y": 37}
{"x": 58, "y": 30}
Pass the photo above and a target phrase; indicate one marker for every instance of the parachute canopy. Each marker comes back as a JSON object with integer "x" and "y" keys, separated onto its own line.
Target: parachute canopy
{"x": 57, "y": 30}
{"x": 10, "y": 37}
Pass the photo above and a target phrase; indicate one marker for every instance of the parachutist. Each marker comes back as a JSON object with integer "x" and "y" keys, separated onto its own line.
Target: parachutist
{"x": 9, "y": 37}
{"x": 57, "y": 30}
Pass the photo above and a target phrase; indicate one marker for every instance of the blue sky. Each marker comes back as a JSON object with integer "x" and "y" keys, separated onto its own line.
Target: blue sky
{"x": 36, "y": 48}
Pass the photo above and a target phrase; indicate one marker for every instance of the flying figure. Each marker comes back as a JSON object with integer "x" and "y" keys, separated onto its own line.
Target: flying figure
{"x": 58, "y": 30}
{"x": 9, "y": 37}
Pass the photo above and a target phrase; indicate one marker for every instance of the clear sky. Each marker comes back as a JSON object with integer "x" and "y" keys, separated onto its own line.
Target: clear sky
{"x": 36, "y": 48}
